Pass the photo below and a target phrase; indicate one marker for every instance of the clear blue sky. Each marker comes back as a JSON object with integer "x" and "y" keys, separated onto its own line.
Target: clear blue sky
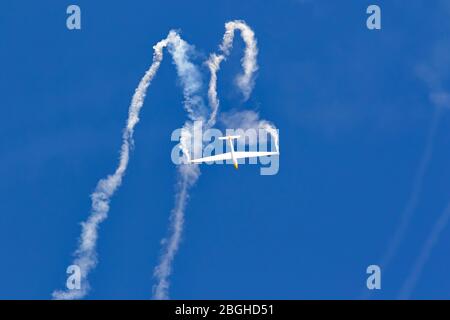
{"x": 353, "y": 113}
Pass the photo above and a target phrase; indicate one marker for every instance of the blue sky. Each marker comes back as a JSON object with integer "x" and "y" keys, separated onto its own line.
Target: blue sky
{"x": 352, "y": 107}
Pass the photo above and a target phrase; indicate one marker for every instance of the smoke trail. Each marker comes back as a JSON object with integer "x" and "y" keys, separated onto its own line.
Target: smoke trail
{"x": 425, "y": 252}
{"x": 214, "y": 66}
{"x": 187, "y": 174}
{"x": 245, "y": 81}
{"x": 85, "y": 255}
{"x": 190, "y": 80}
{"x": 434, "y": 72}
{"x": 413, "y": 199}
{"x": 415, "y": 193}
{"x": 270, "y": 128}
{"x": 441, "y": 100}
{"x": 190, "y": 77}
{"x": 249, "y": 119}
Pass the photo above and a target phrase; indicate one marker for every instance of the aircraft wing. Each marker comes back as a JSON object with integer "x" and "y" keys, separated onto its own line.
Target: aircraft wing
{"x": 252, "y": 154}
{"x": 223, "y": 156}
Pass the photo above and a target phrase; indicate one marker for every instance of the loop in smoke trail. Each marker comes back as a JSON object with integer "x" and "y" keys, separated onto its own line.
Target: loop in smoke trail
{"x": 245, "y": 81}
{"x": 188, "y": 174}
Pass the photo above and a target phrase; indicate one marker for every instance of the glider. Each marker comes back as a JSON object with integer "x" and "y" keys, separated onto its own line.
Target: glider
{"x": 234, "y": 155}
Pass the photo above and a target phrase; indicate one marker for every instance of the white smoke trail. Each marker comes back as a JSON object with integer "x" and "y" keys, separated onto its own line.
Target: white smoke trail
{"x": 187, "y": 174}
{"x": 434, "y": 72}
{"x": 214, "y": 66}
{"x": 425, "y": 252}
{"x": 270, "y": 128}
{"x": 191, "y": 83}
{"x": 190, "y": 77}
{"x": 413, "y": 200}
{"x": 190, "y": 80}
{"x": 441, "y": 100}
{"x": 245, "y": 81}
{"x": 249, "y": 119}
{"x": 85, "y": 255}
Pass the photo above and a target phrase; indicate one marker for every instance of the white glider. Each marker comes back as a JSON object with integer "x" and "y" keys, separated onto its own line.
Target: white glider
{"x": 234, "y": 155}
